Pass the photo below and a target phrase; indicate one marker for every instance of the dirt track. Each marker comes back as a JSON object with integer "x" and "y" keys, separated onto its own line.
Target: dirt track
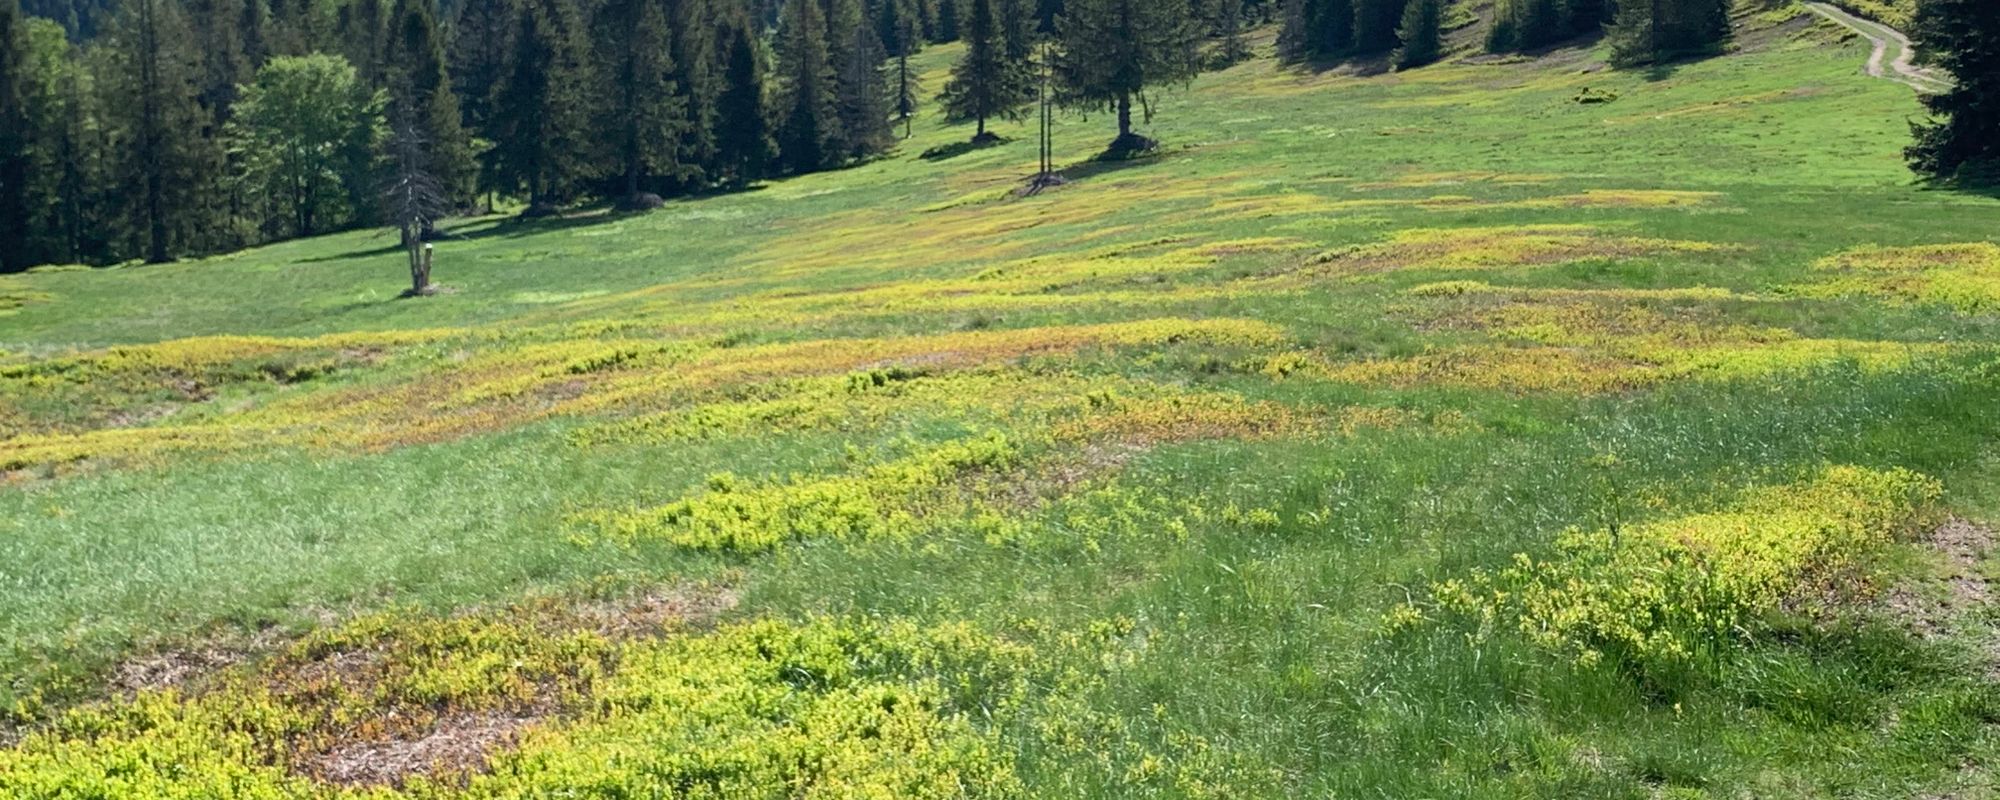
{"x": 1888, "y": 42}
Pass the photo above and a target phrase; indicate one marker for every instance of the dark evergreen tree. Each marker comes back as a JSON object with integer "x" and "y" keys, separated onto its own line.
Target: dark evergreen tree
{"x": 1421, "y": 33}
{"x": 948, "y": 21}
{"x": 229, "y": 35}
{"x": 1018, "y": 31}
{"x": 987, "y": 81}
{"x": 1648, "y": 31}
{"x": 644, "y": 110}
{"x": 700, "y": 32}
{"x": 1046, "y": 14}
{"x": 360, "y": 25}
{"x": 15, "y": 163}
{"x": 1375, "y": 23}
{"x": 859, "y": 62}
{"x": 744, "y": 145}
{"x": 152, "y": 87}
{"x": 1316, "y": 29}
{"x": 809, "y": 136}
{"x": 59, "y": 151}
{"x": 542, "y": 141}
{"x": 1116, "y": 53}
{"x": 482, "y": 42}
{"x": 421, "y": 98}
{"x": 1962, "y": 139}
{"x": 1228, "y": 28}
{"x": 897, "y": 24}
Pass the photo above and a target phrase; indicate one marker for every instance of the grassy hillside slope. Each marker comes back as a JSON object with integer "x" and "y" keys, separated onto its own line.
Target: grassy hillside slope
{"x": 1430, "y": 434}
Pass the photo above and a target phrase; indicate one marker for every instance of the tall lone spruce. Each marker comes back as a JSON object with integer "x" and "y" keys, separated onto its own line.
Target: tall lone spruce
{"x": 1116, "y": 53}
{"x": 990, "y": 80}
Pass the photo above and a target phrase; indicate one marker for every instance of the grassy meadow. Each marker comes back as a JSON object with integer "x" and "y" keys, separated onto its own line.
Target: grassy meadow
{"x": 1414, "y": 435}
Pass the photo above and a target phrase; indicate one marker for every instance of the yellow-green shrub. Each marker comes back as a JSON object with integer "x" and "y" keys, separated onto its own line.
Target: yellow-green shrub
{"x": 752, "y": 519}
{"x": 822, "y": 710}
{"x": 1965, "y": 277}
{"x": 1666, "y": 594}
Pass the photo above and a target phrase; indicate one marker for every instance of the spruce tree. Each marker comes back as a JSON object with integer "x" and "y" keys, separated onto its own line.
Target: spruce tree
{"x": 1316, "y": 29}
{"x": 1649, "y": 31}
{"x": 152, "y": 86}
{"x": 948, "y": 17}
{"x": 700, "y": 34}
{"x": 1228, "y": 25}
{"x": 1375, "y": 23}
{"x": 897, "y": 24}
{"x": 56, "y": 144}
{"x": 1962, "y": 138}
{"x": 743, "y": 137}
{"x": 1116, "y": 53}
{"x": 360, "y": 25}
{"x": 1046, "y": 14}
{"x": 228, "y": 33}
{"x": 644, "y": 110}
{"x": 859, "y": 62}
{"x": 987, "y": 81}
{"x": 421, "y": 98}
{"x": 14, "y": 137}
{"x": 809, "y": 135}
{"x": 542, "y": 113}
{"x": 1421, "y": 33}
{"x": 1018, "y": 31}
{"x": 482, "y": 42}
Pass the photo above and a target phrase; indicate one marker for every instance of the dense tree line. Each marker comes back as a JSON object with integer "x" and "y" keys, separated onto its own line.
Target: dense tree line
{"x": 174, "y": 127}
{"x": 1641, "y": 31}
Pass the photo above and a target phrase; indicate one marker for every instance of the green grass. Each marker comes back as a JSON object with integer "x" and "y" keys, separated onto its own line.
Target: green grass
{"x": 1211, "y": 510}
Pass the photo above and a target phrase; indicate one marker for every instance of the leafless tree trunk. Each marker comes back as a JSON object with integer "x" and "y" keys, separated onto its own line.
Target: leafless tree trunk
{"x": 415, "y": 199}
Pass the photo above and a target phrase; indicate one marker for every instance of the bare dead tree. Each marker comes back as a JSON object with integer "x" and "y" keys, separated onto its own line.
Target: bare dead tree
{"x": 1046, "y": 175}
{"x": 414, "y": 198}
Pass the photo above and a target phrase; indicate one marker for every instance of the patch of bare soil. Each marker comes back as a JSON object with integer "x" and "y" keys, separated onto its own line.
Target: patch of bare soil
{"x": 1939, "y": 607}
{"x": 171, "y": 669}
{"x": 656, "y": 612}
{"x": 1036, "y": 487}
{"x": 459, "y": 744}
{"x": 401, "y": 742}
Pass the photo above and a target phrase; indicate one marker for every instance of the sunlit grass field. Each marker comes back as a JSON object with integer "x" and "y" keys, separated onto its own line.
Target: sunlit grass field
{"x": 1416, "y": 435}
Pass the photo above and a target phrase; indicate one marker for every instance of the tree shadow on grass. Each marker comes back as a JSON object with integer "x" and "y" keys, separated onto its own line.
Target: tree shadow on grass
{"x": 487, "y": 228}
{"x": 948, "y": 152}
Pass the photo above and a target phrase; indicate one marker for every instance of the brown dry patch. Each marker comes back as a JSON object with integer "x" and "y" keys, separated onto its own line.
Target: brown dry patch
{"x": 1059, "y": 477}
{"x": 459, "y": 744}
{"x": 172, "y": 669}
{"x": 137, "y": 417}
{"x": 656, "y": 611}
{"x": 375, "y": 731}
{"x": 1932, "y": 607}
